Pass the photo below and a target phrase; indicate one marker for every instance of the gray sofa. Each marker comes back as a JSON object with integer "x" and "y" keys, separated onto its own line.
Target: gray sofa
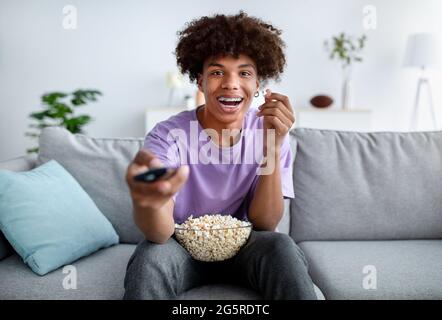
{"x": 367, "y": 214}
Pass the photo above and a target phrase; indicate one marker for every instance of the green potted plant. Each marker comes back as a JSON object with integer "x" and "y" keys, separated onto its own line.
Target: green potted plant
{"x": 58, "y": 110}
{"x": 346, "y": 50}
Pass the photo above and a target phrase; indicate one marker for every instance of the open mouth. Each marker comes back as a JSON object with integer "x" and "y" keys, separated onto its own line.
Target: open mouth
{"x": 230, "y": 104}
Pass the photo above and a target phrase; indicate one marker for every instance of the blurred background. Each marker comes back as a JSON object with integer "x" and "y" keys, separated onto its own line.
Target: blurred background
{"x": 124, "y": 49}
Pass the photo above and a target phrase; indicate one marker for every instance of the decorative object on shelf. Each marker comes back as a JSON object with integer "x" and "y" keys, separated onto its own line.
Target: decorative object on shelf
{"x": 174, "y": 81}
{"x": 59, "y": 111}
{"x": 422, "y": 52}
{"x": 321, "y": 101}
{"x": 346, "y": 50}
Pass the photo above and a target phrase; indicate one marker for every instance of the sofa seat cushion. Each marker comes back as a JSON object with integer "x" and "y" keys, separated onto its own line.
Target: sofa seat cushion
{"x": 99, "y": 276}
{"x": 404, "y": 269}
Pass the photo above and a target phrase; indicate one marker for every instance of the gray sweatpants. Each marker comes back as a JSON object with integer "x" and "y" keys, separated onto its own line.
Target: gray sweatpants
{"x": 270, "y": 263}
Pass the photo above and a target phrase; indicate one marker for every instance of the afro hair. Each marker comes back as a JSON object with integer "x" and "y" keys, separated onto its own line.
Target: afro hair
{"x": 222, "y": 35}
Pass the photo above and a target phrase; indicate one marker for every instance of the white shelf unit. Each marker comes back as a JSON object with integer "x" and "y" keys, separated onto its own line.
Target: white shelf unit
{"x": 333, "y": 119}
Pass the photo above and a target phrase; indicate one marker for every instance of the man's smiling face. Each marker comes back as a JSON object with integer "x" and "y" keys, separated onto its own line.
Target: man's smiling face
{"x": 228, "y": 85}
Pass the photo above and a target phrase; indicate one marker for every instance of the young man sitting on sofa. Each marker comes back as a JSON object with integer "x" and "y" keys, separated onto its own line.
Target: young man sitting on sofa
{"x": 230, "y": 57}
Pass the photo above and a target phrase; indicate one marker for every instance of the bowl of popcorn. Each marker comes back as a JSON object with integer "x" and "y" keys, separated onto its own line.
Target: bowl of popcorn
{"x": 213, "y": 237}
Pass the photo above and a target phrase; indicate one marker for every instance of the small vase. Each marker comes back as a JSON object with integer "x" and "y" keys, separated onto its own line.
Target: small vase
{"x": 347, "y": 90}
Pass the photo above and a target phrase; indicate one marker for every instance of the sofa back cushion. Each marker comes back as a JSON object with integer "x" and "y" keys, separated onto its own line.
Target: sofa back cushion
{"x": 99, "y": 166}
{"x": 366, "y": 186}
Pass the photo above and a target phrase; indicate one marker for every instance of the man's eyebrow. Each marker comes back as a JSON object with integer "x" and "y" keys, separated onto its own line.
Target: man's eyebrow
{"x": 247, "y": 65}
{"x": 214, "y": 64}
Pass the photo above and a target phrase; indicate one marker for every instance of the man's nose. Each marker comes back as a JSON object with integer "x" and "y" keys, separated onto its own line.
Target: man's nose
{"x": 230, "y": 82}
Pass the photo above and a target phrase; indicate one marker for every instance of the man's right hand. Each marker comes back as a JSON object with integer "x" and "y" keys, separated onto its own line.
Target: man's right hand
{"x": 153, "y": 195}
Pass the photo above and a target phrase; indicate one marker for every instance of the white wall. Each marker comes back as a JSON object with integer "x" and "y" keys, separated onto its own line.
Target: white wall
{"x": 124, "y": 49}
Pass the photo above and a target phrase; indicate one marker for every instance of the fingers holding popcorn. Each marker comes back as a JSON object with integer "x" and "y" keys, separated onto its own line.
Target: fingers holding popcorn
{"x": 278, "y": 113}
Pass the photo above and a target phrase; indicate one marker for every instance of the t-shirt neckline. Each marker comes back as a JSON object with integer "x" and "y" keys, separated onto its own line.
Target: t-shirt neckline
{"x": 201, "y": 129}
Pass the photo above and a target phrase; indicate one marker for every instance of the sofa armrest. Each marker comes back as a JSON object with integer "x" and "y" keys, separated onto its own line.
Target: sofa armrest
{"x": 23, "y": 163}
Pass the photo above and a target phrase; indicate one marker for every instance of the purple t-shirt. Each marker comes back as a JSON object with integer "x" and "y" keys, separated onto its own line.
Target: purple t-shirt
{"x": 221, "y": 180}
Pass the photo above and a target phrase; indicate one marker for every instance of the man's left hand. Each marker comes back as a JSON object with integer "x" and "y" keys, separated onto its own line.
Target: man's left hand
{"x": 278, "y": 114}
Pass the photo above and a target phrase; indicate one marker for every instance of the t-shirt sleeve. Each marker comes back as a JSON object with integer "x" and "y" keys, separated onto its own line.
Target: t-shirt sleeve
{"x": 165, "y": 149}
{"x": 286, "y": 170}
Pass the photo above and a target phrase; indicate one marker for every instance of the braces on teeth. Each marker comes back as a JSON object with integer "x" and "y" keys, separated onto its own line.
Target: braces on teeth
{"x": 230, "y": 99}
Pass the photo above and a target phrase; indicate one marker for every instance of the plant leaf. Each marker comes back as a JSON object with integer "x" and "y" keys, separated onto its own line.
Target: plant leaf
{"x": 32, "y": 150}
{"x": 39, "y": 115}
{"x": 50, "y": 98}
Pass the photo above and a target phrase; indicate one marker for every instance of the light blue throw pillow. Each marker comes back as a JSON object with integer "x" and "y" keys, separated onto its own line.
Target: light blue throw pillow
{"x": 49, "y": 219}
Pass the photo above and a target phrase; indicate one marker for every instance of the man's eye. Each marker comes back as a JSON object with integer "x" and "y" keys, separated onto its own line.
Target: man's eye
{"x": 217, "y": 73}
{"x": 246, "y": 73}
